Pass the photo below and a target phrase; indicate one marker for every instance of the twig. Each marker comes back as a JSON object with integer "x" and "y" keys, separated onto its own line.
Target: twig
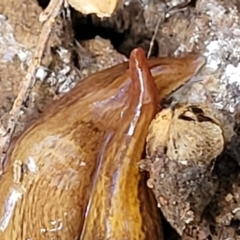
{"x": 48, "y": 17}
{"x": 154, "y": 37}
{"x": 52, "y": 10}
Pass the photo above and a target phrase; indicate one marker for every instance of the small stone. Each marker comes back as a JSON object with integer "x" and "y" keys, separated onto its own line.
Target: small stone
{"x": 229, "y": 197}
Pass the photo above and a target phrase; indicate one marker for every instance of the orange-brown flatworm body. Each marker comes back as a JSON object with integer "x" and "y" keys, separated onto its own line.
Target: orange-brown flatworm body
{"x": 73, "y": 173}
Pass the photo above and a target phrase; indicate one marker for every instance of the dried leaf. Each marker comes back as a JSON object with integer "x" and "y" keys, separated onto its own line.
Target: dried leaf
{"x": 102, "y": 8}
{"x": 182, "y": 145}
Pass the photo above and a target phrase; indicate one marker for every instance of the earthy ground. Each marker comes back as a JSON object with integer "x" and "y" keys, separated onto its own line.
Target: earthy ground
{"x": 19, "y": 31}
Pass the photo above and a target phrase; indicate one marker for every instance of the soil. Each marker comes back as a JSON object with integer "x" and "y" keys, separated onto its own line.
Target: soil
{"x": 19, "y": 32}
